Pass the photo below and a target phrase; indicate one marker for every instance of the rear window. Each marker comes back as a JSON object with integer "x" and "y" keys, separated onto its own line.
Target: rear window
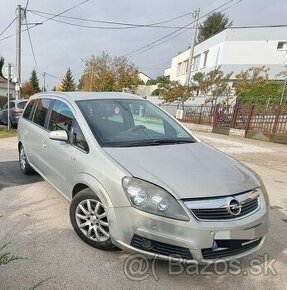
{"x": 21, "y": 105}
{"x": 27, "y": 113}
{"x": 41, "y": 111}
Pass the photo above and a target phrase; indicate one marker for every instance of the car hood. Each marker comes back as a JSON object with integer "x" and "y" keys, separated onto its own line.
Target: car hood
{"x": 192, "y": 170}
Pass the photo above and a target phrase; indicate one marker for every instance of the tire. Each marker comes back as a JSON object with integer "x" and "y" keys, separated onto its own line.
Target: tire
{"x": 89, "y": 220}
{"x": 23, "y": 162}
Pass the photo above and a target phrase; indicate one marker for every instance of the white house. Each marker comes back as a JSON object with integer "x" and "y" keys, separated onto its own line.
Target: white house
{"x": 235, "y": 49}
{"x": 144, "y": 77}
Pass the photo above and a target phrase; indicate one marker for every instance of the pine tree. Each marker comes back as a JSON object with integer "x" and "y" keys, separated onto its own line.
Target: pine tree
{"x": 1, "y": 65}
{"x": 68, "y": 84}
{"x": 34, "y": 82}
{"x": 214, "y": 23}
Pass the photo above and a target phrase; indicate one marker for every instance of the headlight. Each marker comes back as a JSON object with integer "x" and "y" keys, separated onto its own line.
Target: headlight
{"x": 153, "y": 199}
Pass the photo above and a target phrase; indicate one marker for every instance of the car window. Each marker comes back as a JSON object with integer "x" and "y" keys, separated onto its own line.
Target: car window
{"x": 27, "y": 113}
{"x": 12, "y": 105}
{"x": 41, "y": 111}
{"x": 61, "y": 117}
{"x": 21, "y": 105}
{"x": 78, "y": 138}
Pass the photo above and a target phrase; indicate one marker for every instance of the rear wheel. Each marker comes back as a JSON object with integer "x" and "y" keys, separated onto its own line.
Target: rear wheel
{"x": 89, "y": 220}
{"x": 24, "y": 164}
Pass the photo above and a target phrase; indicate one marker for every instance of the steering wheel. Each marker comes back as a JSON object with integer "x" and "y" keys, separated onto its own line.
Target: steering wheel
{"x": 135, "y": 128}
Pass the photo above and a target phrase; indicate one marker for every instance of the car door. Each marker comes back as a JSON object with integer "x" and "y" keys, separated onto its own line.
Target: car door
{"x": 36, "y": 136}
{"x": 59, "y": 153}
{"x": 4, "y": 112}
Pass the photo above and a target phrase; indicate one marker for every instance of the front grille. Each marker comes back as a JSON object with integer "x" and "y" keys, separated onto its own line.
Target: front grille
{"x": 228, "y": 248}
{"x": 222, "y": 208}
{"x": 223, "y": 213}
{"x": 161, "y": 248}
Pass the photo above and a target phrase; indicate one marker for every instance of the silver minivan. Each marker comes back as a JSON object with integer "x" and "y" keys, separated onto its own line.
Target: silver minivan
{"x": 139, "y": 180}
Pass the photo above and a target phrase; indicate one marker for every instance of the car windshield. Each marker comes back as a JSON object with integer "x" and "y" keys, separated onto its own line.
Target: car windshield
{"x": 129, "y": 122}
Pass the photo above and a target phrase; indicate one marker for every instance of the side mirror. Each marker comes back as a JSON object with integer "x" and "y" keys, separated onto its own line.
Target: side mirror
{"x": 60, "y": 135}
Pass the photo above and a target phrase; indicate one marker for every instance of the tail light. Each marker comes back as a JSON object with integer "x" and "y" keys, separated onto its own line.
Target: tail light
{"x": 17, "y": 110}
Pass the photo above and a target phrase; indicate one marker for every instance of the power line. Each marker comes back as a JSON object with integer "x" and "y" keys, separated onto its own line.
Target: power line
{"x": 67, "y": 10}
{"x": 126, "y": 25}
{"x": 32, "y": 49}
{"x": 27, "y": 3}
{"x": 8, "y": 26}
{"x": 167, "y": 37}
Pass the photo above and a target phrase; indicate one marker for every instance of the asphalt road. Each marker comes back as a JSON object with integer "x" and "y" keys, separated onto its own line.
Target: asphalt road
{"x": 35, "y": 227}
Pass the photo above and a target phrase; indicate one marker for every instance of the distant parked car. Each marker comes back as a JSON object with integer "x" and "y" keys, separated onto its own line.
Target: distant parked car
{"x": 16, "y": 108}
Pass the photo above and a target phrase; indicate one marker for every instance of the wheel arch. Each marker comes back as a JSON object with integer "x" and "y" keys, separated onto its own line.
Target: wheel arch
{"x": 19, "y": 145}
{"x": 84, "y": 181}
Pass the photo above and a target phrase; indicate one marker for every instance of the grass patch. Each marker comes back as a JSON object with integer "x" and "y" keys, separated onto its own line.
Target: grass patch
{"x": 4, "y": 133}
{"x": 40, "y": 283}
{"x": 6, "y": 257}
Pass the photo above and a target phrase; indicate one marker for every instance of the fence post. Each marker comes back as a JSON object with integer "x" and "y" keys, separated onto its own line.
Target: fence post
{"x": 234, "y": 116}
{"x": 199, "y": 121}
{"x": 215, "y": 116}
{"x": 249, "y": 119}
{"x": 278, "y": 112}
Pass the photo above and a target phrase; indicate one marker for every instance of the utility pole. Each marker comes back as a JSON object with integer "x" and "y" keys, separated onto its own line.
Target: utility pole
{"x": 283, "y": 92}
{"x": 193, "y": 42}
{"x": 44, "y": 81}
{"x": 18, "y": 50}
{"x": 8, "y": 91}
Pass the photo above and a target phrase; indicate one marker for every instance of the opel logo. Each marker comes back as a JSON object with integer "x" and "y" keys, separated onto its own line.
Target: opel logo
{"x": 233, "y": 206}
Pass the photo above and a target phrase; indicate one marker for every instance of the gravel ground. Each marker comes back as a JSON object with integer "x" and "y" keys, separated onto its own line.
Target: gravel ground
{"x": 34, "y": 223}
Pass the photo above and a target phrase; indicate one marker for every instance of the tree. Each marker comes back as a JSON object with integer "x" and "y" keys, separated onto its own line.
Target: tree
{"x": 30, "y": 87}
{"x": 34, "y": 82}
{"x": 215, "y": 84}
{"x": 158, "y": 80}
{"x": 68, "y": 84}
{"x": 214, "y": 23}
{"x": 27, "y": 90}
{"x": 252, "y": 79}
{"x": 196, "y": 79}
{"x": 1, "y": 65}
{"x": 174, "y": 92}
{"x": 106, "y": 73}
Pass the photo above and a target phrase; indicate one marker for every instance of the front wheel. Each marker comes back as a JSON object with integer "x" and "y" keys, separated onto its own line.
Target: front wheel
{"x": 89, "y": 220}
{"x": 24, "y": 164}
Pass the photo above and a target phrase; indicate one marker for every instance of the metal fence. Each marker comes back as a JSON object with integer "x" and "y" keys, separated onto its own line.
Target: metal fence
{"x": 259, "y": 122}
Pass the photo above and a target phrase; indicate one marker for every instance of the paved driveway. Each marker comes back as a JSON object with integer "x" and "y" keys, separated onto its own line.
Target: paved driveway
{"x": 35, "y": 226}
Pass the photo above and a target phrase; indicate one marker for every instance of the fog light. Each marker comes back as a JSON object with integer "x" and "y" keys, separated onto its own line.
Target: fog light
{"x": 146, "y": 243}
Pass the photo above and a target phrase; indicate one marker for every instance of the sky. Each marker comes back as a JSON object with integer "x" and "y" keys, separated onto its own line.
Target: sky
{"x": 58, "y": 46}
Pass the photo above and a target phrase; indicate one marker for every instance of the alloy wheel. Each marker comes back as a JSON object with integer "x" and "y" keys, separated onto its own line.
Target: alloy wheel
{"x": 92, "y": 220}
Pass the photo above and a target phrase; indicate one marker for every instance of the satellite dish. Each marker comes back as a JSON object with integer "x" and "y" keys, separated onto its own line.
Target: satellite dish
{"x": 5, "y": 70}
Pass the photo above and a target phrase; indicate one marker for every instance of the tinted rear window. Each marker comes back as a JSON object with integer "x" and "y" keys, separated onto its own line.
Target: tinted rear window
{"x": 21, "y": 105}
{"x": 41, "y": 111}
{"x": 27, "y": 113}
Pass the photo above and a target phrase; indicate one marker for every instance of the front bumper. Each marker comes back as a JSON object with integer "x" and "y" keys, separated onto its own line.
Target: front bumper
{"x": 195, "y": 236}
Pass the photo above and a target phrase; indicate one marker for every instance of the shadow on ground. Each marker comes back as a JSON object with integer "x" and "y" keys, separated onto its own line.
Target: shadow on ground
{"x": 11, "y": 175}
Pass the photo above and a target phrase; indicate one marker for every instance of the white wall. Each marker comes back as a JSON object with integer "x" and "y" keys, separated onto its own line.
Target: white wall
{"x": 236, "y": 49}
{"x": 143, "y": 77}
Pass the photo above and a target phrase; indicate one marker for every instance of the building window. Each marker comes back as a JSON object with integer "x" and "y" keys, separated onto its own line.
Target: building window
{"x": 185, "y": 67}
{"x": 205, "y": 54}
{"x": 196, "y": 62}
{"x": 178, "y": 69}
{"x": 282, "y": 45}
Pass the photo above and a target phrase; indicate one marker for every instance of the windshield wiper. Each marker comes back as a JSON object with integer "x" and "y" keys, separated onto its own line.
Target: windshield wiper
{"x": 156, "y": 142}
